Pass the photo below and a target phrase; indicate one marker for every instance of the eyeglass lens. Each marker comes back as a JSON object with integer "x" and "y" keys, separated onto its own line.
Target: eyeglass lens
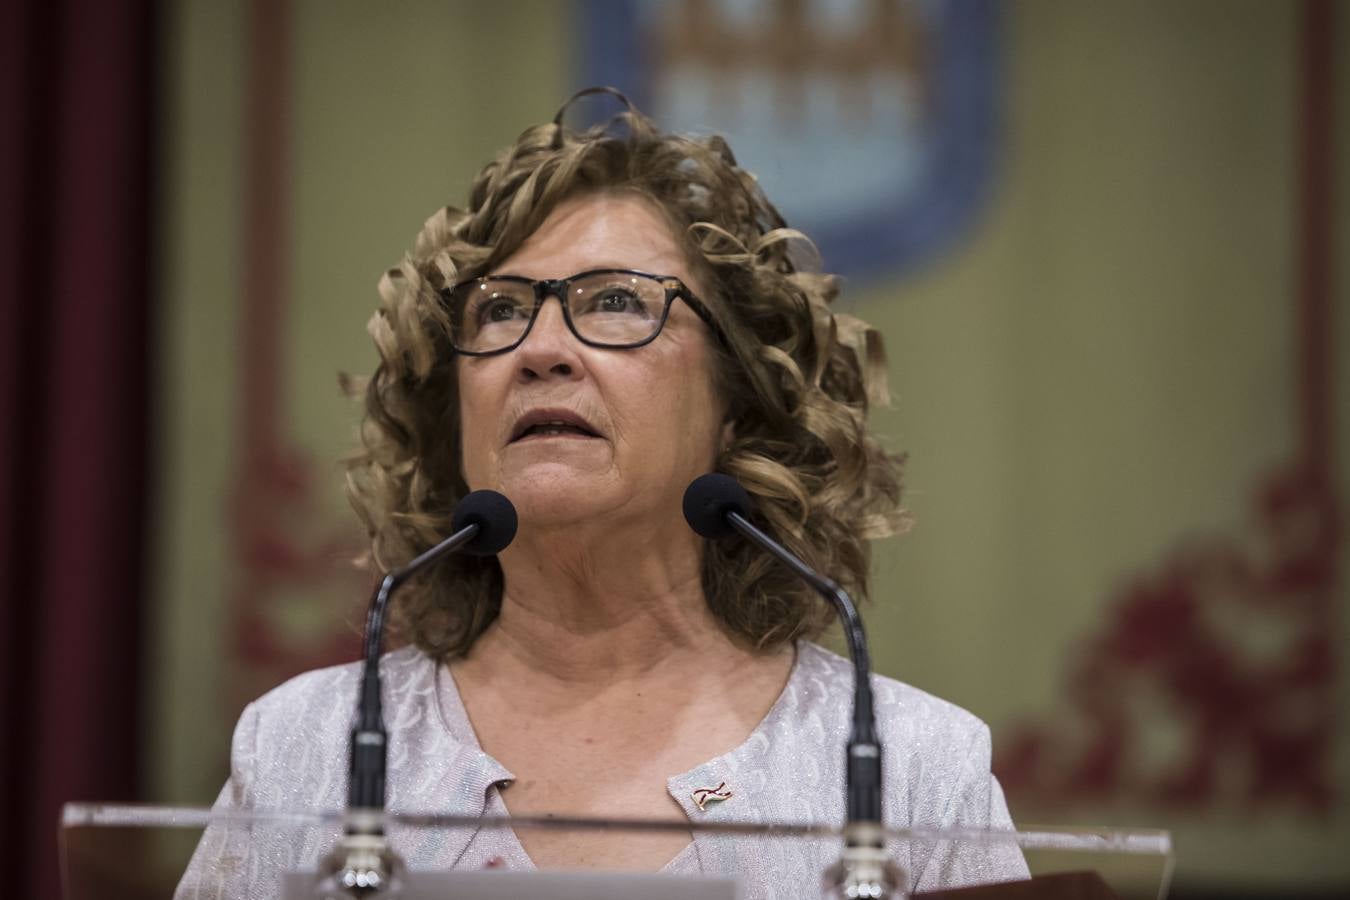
{"x": 608, "y": 308}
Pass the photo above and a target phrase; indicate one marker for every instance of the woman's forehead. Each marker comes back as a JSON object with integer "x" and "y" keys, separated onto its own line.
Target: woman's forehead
{"x": 594, "y": 231}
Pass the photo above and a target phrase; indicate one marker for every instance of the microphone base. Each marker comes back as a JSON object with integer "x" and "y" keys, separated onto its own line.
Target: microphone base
{"x": 865, "y": 870}
{"x": 361, "y": 866}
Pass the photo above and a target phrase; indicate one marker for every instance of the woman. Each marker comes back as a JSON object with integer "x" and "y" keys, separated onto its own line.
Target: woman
{"x": 614, "y": 314}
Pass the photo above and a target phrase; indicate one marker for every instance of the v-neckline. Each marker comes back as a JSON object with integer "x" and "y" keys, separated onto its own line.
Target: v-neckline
{"x": 455, "y": 720}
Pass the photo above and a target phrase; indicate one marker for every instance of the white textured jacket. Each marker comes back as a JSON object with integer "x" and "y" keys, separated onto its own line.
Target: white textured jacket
{"x": 290, "y": 753}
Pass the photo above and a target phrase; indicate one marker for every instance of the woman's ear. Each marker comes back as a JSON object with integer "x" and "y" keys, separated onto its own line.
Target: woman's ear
{"x": 728, "y": 434}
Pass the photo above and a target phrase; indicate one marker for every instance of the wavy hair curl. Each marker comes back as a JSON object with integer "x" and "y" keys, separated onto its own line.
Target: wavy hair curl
{"x": 798, "y": 380}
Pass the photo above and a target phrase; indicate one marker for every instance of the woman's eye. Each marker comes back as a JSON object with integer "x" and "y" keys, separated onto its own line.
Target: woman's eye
{"x": 617, "y": 301}
{"x": 496, "y": 311}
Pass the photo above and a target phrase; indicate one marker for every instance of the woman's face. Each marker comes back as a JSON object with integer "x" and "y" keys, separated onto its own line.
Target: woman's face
{"x": 655, "y": 417}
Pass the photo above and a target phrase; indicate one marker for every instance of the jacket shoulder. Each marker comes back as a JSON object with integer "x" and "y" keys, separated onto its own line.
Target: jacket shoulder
{"x": 902, "y": 710}
{"x": 326, "y": 698}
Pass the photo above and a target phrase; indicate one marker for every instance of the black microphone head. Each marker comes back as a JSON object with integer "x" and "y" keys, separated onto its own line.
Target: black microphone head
{"x": 495, "y": 517}
{"x": 707, "y": 501}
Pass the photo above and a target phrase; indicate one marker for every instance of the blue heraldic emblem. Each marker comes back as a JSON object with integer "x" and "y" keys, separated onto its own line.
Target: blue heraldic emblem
{"x": 870, "y": 123}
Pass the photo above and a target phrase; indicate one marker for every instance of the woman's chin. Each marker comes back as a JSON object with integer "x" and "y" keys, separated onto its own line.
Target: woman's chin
{"x": 554, "y": 495}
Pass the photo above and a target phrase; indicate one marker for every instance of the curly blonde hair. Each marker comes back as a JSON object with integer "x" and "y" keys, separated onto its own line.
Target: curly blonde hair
{"x": 798, "y": 381}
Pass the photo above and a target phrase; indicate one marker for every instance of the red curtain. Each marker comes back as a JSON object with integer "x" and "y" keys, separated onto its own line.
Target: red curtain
{"x": 75, "y": 145}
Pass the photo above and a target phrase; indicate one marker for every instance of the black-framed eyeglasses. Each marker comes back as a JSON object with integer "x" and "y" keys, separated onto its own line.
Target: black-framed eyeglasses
{"x": 618, "y": 309}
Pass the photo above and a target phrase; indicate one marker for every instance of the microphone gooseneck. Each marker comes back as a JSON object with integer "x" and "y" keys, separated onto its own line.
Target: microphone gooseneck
{"x": 716, "y": 506}
{"x": 484, "y": 523}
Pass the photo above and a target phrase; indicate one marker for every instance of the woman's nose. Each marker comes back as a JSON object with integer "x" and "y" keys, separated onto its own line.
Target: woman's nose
{"x": 550, "y": 347}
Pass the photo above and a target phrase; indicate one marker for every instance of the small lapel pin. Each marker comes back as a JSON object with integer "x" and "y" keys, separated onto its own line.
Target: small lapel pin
{"x": 704, "y": 796}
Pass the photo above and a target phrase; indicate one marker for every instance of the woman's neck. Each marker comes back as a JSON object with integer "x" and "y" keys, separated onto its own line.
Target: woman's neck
{"x": 620, "y": 609}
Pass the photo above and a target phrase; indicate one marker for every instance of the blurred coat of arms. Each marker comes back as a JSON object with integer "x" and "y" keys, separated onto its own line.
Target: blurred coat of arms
{"x": 870, "y": 123}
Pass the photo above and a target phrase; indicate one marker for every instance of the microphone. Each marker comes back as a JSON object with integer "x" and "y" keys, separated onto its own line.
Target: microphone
{"x": 716, "y": 507}
{"x": 484, "y": 523}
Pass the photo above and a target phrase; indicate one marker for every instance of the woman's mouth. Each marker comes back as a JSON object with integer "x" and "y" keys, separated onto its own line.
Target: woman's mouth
{"x": 544, "y": 423}
{"x": 553, "y": 430}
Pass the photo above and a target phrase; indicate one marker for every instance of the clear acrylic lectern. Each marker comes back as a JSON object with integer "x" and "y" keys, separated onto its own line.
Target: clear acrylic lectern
{"x": 123, "y": 852}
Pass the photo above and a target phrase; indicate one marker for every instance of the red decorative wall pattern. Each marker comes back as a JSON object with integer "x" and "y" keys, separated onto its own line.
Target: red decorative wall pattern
{"x": 1256, "y": 724}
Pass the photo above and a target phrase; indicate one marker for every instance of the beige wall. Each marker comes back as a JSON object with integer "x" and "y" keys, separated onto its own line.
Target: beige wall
{"x": 1103, "y": 370}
